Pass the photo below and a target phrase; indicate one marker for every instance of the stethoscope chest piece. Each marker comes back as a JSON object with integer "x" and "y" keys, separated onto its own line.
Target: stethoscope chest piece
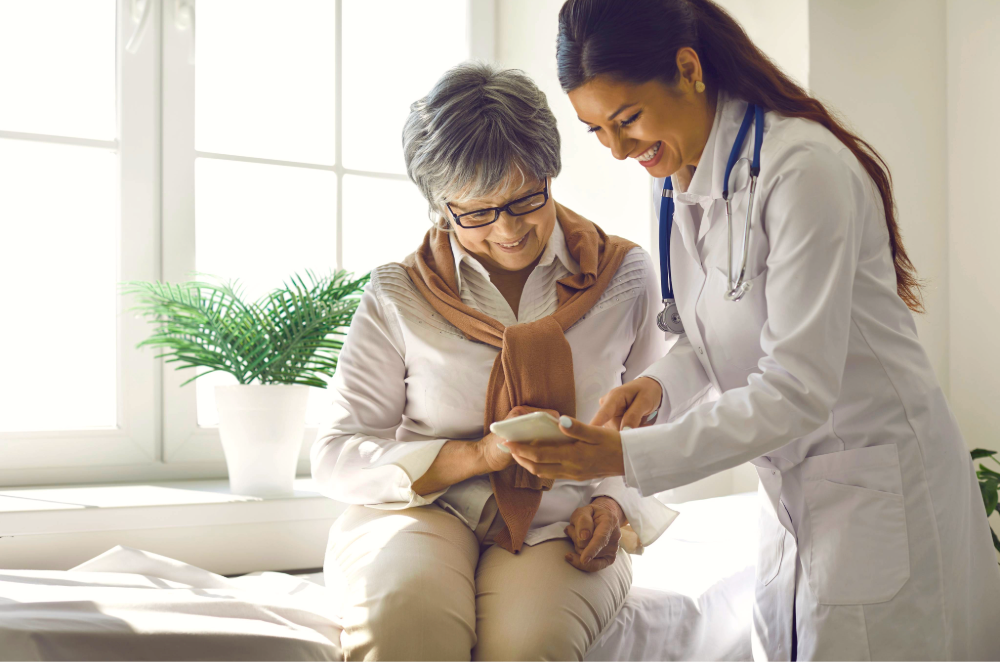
{"x": 669, "y": 319}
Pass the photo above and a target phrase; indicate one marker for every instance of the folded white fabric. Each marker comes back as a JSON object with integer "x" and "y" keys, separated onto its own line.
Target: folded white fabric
{"x": 692, "y": 592}
{"x": 132, "y": 605}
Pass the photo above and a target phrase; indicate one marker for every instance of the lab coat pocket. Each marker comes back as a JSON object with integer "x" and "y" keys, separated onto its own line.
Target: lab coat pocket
{"x": 858, "y": 550}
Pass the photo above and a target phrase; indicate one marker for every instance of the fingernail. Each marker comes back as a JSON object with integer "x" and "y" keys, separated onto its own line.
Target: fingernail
{"x": 626, "y": 428}
{"x": 503, "y": 447}
{"x": 566, "y": 422}
{"x": 585, "y": 534}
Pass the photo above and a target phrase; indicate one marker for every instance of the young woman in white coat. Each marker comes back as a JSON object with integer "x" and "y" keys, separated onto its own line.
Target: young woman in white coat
{"x": 873, "y": 537}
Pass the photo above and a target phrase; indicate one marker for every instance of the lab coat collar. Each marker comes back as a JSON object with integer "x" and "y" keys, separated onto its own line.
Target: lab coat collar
{"x": 706, "y": 184}
{"x": 554, "y": 249}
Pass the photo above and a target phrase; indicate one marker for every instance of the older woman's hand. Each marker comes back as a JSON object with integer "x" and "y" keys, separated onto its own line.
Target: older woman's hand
{"x": 595, "y": 453}
{"x": 595, "y": 530}
{"x": 493, "y": 449}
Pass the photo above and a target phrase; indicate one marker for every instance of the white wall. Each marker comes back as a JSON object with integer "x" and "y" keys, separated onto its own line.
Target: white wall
{"x": 780, "y": 28}
{"x": 973, "y": 99}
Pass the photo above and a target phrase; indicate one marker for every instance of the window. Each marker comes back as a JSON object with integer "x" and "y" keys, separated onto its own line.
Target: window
{"x": 265, "y": 141}
{"x": 74, "y": 394}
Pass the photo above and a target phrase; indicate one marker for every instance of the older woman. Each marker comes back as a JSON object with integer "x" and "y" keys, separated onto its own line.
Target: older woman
{"x": 512, "y": 303}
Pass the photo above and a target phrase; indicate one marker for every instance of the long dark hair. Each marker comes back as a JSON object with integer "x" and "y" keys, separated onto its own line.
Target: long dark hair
{"x": 636, "y": 41}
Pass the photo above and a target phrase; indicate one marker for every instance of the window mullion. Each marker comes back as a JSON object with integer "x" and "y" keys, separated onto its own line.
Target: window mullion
{"x": 180, "y": 418}
{"x": 139, "y": 216}
{"x": 339, "y": 130}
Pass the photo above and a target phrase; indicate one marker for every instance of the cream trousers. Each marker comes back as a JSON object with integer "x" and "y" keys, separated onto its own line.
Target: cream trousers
{"x": 417, "y": 584}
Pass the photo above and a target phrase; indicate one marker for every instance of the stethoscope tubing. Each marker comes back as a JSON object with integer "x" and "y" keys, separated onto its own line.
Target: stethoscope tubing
{"x": 738, "y": 286}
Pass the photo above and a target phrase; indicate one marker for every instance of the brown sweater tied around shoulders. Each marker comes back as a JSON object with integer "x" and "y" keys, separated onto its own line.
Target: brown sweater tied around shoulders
{"x": 535, "y": 364}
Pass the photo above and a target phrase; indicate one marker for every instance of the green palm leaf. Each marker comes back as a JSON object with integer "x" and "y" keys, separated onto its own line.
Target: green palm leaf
{"x": 989, "y": 486}
{"x": 292, "y": 335}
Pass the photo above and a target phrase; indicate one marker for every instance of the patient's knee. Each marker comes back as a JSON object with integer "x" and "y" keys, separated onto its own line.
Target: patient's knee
{"x": 405, "y": 581}
{"x": 412, "y": 621}
{"x": 539, "y": 639}
{"x": 553, "y": 632}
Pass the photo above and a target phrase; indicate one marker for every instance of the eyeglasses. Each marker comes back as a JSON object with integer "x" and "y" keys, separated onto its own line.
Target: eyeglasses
{"x": 520, "y": 207}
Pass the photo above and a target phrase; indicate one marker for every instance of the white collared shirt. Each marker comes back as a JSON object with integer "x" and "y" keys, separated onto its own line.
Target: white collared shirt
{"x": 407, "y": 381}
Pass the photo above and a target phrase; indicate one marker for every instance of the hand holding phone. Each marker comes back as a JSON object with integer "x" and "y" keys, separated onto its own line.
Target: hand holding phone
{"x": 538, "y": 426}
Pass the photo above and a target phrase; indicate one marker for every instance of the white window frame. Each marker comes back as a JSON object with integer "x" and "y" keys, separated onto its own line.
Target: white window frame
{"x": 157, "y": 436}
{"x": 133, "y": 444}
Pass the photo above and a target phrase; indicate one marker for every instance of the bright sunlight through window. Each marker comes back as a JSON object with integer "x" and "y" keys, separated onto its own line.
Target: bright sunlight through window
{"x": 267, "y": 87}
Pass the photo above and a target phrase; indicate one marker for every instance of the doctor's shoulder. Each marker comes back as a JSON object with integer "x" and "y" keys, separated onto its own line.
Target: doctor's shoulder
{"x": 803, "y": 158}
{"x": 796, "y": 143}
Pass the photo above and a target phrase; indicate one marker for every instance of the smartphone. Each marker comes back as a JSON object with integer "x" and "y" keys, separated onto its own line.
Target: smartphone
{"x": 536, "y": 426}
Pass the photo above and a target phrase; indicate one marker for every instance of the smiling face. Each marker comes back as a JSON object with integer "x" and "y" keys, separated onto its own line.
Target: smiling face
{"x": 512, "y": 243}
{"x": 663, "y": 127}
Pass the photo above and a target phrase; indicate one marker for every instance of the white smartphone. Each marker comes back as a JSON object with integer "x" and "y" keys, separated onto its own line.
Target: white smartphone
{"x": 536, "y": 426}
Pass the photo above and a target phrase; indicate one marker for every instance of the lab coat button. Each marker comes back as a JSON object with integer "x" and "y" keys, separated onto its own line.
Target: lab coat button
{"x": 701, "y": 350}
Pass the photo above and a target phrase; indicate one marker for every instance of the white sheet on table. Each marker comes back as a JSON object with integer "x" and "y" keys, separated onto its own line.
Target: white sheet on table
{"x": 181, "y": 612}
{"x": 692, "y": 591}
{"x": 691, "y": 599}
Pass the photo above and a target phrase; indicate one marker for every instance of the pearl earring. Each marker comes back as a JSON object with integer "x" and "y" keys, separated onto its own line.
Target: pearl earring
{"x": 699, "y": 87}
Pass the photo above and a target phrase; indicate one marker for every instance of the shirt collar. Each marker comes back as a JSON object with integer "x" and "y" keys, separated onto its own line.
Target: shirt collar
{"x": 707, "y": 184}
{"x": 461, "y": 255}
{"x": 554, "y": 249}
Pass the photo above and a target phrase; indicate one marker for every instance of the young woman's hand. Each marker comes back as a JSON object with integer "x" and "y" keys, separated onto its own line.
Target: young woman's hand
{"x": 495, "y": 455}
{"x": 595, "y": 530}
{"x": 629, "y": 405}
{"x": 596, "y": 452}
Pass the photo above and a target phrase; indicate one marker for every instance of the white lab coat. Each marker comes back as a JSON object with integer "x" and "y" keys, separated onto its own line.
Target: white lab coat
{"x": 872, "y": 528}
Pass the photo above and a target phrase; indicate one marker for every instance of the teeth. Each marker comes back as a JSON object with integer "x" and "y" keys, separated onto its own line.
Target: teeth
{"x": 515, "y": 243}
{"x": 649, "y": 153}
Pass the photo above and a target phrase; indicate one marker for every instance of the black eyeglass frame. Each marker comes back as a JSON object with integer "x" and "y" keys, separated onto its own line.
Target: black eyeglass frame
{"x": 496, "y": 210}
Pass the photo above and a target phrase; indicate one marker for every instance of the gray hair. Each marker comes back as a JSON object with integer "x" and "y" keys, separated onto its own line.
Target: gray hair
{"x": 480, "y": 130}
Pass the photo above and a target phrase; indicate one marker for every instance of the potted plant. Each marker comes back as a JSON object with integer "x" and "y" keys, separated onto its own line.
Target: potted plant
{"x": 276, "y": 347}
{"x": 989, "y": 485}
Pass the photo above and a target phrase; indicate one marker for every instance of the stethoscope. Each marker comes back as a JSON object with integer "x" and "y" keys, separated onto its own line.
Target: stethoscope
{"x": 669, "y": 318}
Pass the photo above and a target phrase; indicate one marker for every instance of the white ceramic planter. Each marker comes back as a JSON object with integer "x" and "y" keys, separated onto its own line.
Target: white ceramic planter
{"x": 261, "y": 426}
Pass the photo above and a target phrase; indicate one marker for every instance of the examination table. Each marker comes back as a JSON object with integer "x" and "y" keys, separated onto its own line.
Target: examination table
{"x": 691, "y": 598}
